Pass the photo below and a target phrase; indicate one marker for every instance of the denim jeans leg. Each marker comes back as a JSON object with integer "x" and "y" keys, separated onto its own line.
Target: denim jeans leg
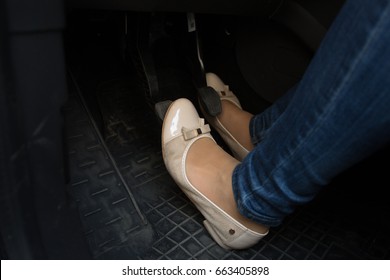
{"x": 260, "y": 123}
{"x": 338, "y": 115}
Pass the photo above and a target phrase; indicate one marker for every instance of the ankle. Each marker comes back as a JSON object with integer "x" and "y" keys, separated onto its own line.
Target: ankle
{"x": 210, "y": 171}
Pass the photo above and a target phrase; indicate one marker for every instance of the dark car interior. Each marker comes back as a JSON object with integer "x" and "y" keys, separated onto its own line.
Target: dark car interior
{"x": 83, "y": 89}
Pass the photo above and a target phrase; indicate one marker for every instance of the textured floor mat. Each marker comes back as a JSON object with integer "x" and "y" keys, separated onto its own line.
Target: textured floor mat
{"x": 346, "y": 221}
{"x": 114, "y": 226}
{"x": 133, "y": 136}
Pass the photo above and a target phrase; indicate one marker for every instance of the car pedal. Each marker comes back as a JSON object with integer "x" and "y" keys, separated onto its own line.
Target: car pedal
{"x": 210, "y": 101}
{"x": 161, "y": 109}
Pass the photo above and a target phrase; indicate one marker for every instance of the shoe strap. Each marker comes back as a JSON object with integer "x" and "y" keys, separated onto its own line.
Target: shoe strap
{"x": 189, "y": 134}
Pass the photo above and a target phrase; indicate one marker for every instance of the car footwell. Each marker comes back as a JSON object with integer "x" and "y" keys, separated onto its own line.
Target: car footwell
{"x": 130, "y": 207}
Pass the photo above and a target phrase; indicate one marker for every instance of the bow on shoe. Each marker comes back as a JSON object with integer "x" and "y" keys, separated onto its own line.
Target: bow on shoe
{"x": 189, "y": 134}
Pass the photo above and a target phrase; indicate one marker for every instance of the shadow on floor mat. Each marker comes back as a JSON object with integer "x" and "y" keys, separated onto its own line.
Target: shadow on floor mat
{"x": 114, "y": 226}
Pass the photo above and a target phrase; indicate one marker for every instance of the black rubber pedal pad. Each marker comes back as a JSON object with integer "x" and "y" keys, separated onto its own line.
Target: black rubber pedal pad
{"x": 161, "y": 109}
{"x": 210, "y": 101}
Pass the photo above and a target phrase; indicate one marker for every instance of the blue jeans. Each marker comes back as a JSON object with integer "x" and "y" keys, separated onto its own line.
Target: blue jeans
{"x": 337, "y": 115}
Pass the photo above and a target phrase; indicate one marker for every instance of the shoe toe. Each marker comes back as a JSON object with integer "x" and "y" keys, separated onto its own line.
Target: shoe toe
{"x": 180, "y": 114}
{"x": 215, "y": 82}
{"x": 222, "y": 89}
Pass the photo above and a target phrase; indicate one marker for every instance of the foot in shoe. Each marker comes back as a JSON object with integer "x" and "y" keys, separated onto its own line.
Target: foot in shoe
{"x": 204, "y": 172}
{"x": 207, "y": 164}
{"x": 236, "y": 121}
{"x": 233, "y": 122}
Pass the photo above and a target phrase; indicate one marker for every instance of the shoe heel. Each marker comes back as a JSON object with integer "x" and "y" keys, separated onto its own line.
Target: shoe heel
{"x": 246, "y": 239}
{"x": 214, "y": 235}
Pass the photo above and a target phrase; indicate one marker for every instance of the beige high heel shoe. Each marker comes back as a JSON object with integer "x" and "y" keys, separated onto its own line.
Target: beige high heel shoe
{"x": 182, "y": 127}
{"x": 239, "y": 151}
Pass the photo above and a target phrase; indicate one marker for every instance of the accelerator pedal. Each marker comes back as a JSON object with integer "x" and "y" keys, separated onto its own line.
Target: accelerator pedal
{"x": 210, "y": 101}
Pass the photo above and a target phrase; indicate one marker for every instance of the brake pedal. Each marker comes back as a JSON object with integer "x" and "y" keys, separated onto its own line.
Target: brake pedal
{"x": 161, "y": 109}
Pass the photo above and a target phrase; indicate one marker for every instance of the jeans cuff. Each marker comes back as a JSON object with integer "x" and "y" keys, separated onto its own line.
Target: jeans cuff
{"x": 242, "y": 208}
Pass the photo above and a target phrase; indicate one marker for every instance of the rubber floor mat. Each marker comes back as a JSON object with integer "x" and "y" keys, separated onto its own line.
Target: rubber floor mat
{"x": 346, "y": 221}
{"x": 114, "y": 226}
{"x": 132, "y": 134}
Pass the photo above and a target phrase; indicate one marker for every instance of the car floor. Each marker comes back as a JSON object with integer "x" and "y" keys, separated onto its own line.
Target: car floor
{"x": 130, "y": 207}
